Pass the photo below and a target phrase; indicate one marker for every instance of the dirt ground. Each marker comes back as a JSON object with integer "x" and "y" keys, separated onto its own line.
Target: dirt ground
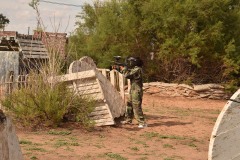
{"x": 178, "y": 129}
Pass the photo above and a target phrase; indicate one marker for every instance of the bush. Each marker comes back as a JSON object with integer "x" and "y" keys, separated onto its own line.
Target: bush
{"x": 41, "y": 103}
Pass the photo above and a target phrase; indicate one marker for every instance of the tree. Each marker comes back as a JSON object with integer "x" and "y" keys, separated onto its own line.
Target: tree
{"x": 34, "y": 4}
{"x": 193, "y": 41}
{"x": 3, "y": 21}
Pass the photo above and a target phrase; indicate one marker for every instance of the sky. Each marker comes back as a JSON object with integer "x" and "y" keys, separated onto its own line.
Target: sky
{"x": 23, "y": 18}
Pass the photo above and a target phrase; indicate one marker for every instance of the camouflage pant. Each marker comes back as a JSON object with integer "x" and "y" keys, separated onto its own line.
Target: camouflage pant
{"x": 134, "y": 105}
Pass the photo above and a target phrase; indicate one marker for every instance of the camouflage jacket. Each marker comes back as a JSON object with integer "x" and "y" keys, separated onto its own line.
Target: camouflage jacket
{"x": 135, "y": 76}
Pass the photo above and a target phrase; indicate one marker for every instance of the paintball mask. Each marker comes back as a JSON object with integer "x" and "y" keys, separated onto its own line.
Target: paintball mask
{"x": 132, "y": 62}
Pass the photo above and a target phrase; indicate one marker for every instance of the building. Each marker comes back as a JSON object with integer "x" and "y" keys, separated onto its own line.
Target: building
{"x": 21, "y": 53}
{"x": 54, "y": 42}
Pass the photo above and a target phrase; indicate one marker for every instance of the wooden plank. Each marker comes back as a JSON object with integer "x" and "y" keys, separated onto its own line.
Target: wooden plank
{"x": 121, "y": 85}
{"x": 29, "y": 41}
{"x": 112, "y": 78}
{"x": 99, "y": 108}
{"x": 102, "y": 93}
{"x": 112, "y": 96}
{"x": 34, "y": 53}
{"x": 86, "y": 83}
{"x": 83, "y": 82}
{"x": 35, "y": 56}
{"x": 94, "y": 96}
{"x": 101, "y": 69}
{"x": 39, "y": 49}
{"x": 104, "y": 72}
{"x": 83, "y": 89}
{"x": 74, "y": 76}
{"x": 105, "y": 123}
{"x": 87, "y": 92}
{"x": 109, "y": 111}
{"x": 32, "y": 45}
{"x": 95, "y": 113}
{"x": 87, "y": 87}
{"x": 97, "y": 117}
{"x": 104, "y": 120}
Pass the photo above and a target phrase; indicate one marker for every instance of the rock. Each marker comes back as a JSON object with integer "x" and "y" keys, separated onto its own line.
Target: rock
{"x": 154, "y": 83}
{"x": 200, "y": 88}
{"x": 204, "y": 95}
{"x": 185, "y": 86}
{"x": 219, "y": 92}
{"x": 215, "y": 86}
{"x": 215, "y": 97}
{"x": 146, "y": 85}
{"x": 169, "y": 84}
{"x": 213, "y": 91}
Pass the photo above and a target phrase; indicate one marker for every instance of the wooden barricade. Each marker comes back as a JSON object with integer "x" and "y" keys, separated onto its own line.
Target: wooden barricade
{"x": 121, "y": 84}
{"x": 84, "y": 78}
{"x": 105, "y": 86}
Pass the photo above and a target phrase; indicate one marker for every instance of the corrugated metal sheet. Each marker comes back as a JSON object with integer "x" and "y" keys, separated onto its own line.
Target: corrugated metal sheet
{"x": 9, "y": 62}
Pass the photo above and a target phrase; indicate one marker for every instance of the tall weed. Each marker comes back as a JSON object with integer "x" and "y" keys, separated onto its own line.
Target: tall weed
{"x": 41, "y": 103}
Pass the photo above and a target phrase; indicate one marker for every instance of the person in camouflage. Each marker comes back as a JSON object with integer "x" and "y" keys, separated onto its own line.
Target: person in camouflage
{"x": 134, "y": 103}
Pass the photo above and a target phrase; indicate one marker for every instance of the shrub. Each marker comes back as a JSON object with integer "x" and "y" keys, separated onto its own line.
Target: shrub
{"x": 41, "y": 103}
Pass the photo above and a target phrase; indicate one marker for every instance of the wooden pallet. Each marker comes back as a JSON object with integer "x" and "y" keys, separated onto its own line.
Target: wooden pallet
{"x": 33, "y": 49}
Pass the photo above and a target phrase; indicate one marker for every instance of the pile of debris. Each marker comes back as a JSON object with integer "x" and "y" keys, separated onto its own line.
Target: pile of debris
{"x": 210, "y": 91}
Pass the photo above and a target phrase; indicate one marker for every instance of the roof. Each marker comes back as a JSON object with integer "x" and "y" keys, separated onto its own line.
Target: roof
{"x": 33, "y": 46}
{"x": 8, "y": 34}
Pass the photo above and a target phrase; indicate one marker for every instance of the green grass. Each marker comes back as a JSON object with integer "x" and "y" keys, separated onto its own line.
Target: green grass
{"x": 63, "y": 133}
{"x": 171, "y": 137}
{"x": 36, "y": 149}
{"x": 69, "y": 149}
{"x": 99, "y": 146}
{"x": 168, "y": 146}
{"x": 143, "y": 143}
{"x": 115, "y": 156}
{"x": 181, "y": 112}
{"x": 168, "y": 159}
{"x": 60, "y": 143}
{"x": 173, "y": 158}
{"x": 189, "y": 141}
{"x": 151, "y": 135}
{"x": 191, "y": 144}
{"x": 33, "y": 158}
{"x": 217, "y": 112}
{"x": 134, "y": 148}
{"x": 23, "y": 141}
{"x": 143, "y": 158}
{"x": 73, "y": 138}
{"x": 63, "y": 142}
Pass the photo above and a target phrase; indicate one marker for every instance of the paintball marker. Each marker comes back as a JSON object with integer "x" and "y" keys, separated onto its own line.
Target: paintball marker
{"x": 117, "y": 64}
